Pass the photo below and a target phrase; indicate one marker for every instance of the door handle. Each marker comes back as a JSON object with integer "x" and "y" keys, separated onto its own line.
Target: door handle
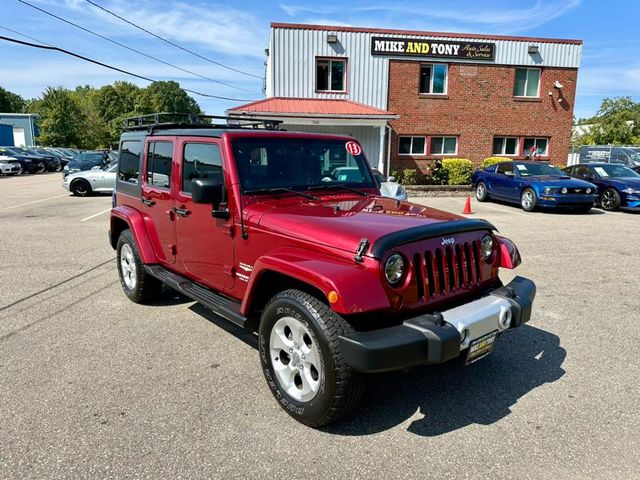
{"x": 148, "y": 202}
{"x": 183, "y": 212}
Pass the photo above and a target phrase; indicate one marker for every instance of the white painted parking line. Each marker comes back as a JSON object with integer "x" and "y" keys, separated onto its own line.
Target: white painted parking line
{"x": 504, "y": 210}
{"x": 31, "y": 203}
{"x": 95, "y": 215}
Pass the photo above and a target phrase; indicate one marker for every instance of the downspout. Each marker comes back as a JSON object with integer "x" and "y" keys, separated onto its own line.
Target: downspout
{"x": 388, "y": 129}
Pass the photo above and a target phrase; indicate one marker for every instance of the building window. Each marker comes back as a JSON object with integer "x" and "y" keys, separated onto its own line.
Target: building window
{"x": 505, "y": 146}
{"x": 331, "y": 75}
{"x": 433, "y": 78}
{"x": 535, "y": 147}
{"x": 527, "y": 83}
{"x": 444, "y": 146}
{"x": 159, "y": 161}
{"x": 412, "y": 145}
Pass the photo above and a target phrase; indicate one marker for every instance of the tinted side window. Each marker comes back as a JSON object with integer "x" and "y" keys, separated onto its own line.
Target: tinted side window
{"x": 201, "y": 160}
{"x": 129, "y": 164}
{"x": 159, "y": 160}
{"x": 505, "y": 168}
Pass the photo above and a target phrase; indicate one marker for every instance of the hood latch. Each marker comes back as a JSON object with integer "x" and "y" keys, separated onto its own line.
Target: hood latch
{"x": 362, "y": 248}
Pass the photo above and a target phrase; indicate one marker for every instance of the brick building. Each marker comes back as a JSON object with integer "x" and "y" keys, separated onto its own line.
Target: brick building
{"x": 413, "y": 97}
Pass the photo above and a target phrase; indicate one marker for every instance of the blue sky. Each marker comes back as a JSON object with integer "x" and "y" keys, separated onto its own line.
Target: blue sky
{"x": 236, "y": 34}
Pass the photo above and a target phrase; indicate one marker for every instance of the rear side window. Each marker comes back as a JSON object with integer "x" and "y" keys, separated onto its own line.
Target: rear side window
{"x": 201, "y": 160}
{"x": 159, "y": 160}
{"x": 505, "y": 168}
{"x": 129, "y": 164}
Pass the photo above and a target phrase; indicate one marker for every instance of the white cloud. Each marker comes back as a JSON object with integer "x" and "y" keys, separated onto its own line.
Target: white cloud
{"x": 500, "y": 19}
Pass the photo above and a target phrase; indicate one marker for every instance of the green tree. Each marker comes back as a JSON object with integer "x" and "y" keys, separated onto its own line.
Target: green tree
{"x": 62, "y": 121}
{"x": 617, "y": 122}
{"x": 11, "y": 102}
{"x": 167, "y": 97}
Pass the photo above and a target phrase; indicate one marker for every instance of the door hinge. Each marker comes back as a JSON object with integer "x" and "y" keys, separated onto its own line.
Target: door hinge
{"x": 174, "y": 249}
{"x": 229, "y": 270}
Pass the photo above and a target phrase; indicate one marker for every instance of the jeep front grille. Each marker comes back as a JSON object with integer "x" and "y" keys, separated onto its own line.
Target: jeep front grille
{"x": 447, "y": 270}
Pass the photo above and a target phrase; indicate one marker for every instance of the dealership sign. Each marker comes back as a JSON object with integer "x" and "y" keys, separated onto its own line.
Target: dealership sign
{"x": 411, "y": 47}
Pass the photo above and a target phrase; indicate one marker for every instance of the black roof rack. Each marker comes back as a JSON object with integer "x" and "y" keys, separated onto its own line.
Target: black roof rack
{"x": 168, "y": 120}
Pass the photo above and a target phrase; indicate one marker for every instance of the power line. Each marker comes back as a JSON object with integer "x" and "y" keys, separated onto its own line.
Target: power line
{"x": 170, "y": 42}
{"x": 115, "y": 42}
{"x": 96, "y": 62}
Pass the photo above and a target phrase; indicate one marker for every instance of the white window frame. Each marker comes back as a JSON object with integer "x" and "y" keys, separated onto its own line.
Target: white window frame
{"x": 535, "y": 142}
{"x": 504, "y": 146}
{"x": 424, "y": 148}
{"x": 330, "y": 60}
{"x": 526, "y": 82}
{"x": 446, "y": 78}
{"x": 443, "y": 137}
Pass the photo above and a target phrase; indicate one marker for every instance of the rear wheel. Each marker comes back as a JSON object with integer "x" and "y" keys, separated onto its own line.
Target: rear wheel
{"x": 610, "y": 200}
{"x": 481, "y": 192}
{"x": 302, "y": 360}
{"x": 528, "y": 200}
{"x": 137, "y": 284}
{"x": 80, "y": 187}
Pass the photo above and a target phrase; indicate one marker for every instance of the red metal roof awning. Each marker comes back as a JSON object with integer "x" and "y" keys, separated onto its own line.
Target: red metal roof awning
{"x": 311, "y": 107}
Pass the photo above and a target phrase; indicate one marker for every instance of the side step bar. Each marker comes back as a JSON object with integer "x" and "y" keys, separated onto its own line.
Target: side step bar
{"x": 229, "y": 309}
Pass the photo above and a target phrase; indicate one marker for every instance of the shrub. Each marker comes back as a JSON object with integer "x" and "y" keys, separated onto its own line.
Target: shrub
{"x": 487, "y": 162}
{"x": 458, "y": 170}
{"x": 398, "y": 175}
{"x": 410, "y": 176}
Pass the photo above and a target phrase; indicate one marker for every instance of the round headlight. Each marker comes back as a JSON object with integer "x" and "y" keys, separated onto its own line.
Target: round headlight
{"x": 486, "y": 247}
{"x": 564, "y": 190}
{"x": 394, "y": 268}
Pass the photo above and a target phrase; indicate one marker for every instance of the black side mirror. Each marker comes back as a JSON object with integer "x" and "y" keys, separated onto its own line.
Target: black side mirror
{"x": 206, "y": 190}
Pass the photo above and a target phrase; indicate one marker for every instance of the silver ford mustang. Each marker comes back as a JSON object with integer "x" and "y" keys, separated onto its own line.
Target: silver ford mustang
{"x": 96, "y": 180}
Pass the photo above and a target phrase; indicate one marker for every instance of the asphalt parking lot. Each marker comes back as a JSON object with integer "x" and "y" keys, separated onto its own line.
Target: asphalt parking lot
{"x": 94, "y": 386}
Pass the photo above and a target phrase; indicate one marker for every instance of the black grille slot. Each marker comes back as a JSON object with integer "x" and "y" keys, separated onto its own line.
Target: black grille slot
{"x": 417, "y": 266}
{"x": 431, "y": 281}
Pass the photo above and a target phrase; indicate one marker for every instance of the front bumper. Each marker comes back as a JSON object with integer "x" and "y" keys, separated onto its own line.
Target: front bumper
{"x": 570, "y": 200}
{"x": 432, "y": 339}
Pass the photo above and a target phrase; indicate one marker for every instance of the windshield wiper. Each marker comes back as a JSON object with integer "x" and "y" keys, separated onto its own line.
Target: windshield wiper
{"x": 341, "y": 185}
{"x": 280, "y": 190}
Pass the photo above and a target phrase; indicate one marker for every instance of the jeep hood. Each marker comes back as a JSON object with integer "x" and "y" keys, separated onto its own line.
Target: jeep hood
{"x": 343, "y": 223}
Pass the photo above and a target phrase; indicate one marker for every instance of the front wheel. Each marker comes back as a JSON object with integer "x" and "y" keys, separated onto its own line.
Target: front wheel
{"x": 41, "y": 168}
{"x": 137, "y": 284}
{"x": 528, "y": 200}
{"x": 481, "y": 192}
{"x": 610, "y": 200}
{"x": 80, "y": 188}
{"x": 302, "y": 360}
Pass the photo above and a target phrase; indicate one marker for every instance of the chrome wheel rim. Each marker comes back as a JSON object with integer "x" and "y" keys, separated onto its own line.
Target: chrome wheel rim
{"x": 608, "y": 200}
{"x": 128, "y": 266}
{"x": 527, "y": 199}
{"x": 480, "y": 191}
{"x": 295, "y": 357}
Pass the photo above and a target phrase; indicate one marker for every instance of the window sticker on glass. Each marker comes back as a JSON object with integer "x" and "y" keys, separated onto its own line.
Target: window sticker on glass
{"x": 522, "y": 168}
{"x": 601, "y": 171}
{"x": 353, "y": 148}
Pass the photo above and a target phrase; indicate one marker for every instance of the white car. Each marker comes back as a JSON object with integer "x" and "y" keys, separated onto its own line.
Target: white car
{"x": 389, "y": 187}
{"x": 9, "y": 166}
{"x": 95, "y": 180}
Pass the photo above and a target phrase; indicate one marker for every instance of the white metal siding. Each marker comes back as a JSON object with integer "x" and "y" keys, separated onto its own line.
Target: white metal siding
{"x": 293, "y": 53}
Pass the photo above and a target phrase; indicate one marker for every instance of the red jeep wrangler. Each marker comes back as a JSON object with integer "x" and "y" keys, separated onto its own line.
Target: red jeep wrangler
{"x": 268, "y": 229}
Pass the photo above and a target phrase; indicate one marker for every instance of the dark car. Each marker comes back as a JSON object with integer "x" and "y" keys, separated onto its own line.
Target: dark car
{"x": 51, "y": 162}
{"x": 618, "y": 186}
{"x": 28, "y": 163}
{"x": 62, "y": 159}
{"x": 86, "y": 161}
{"x": 636, "y": 169}
{"x": 532, "y": 185}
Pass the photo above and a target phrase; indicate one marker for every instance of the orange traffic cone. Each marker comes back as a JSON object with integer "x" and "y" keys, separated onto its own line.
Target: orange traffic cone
{"x": 467, "y": 206}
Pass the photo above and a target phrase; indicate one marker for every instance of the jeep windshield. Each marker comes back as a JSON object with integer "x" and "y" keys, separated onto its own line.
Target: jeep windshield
{"x": 268, "y": 164}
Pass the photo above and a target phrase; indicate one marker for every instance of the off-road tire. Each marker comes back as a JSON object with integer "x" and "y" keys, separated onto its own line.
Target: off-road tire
{"x": 341, "y": 388}
{"x": 482, "y": 194}
{"x": 80, "y": 188}
{"x": 146, "y": 288}
{"x": 528, "y": 205}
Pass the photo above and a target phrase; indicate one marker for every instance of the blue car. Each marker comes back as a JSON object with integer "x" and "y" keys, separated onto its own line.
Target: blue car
{"x": 619, "y": 186}
{"x": 533, "y": 185}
